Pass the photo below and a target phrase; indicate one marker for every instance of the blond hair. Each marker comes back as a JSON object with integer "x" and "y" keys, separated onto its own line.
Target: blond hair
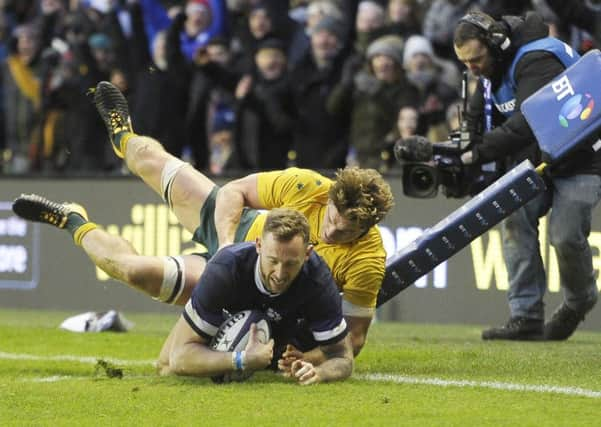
{"x": 361, "y": 196}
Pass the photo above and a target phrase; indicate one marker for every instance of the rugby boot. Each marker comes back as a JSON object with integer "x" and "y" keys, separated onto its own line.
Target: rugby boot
{"x": 39, "y": 209}
{"x": 113, "y": 109}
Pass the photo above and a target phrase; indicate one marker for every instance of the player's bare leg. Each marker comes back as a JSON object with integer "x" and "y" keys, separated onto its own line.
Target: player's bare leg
{"x": 167, "y": 279}
{"x": 153, "y": 275}
{"x": 184, "y": 188}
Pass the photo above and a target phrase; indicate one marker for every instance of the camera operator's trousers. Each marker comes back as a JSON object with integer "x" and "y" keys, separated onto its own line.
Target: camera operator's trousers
{"x": 571, "y": 200}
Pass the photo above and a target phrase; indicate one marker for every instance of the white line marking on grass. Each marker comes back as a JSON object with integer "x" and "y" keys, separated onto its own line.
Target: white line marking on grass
{"x": 400, "y": 379}
{"x": 52, "y": 379}
{"x": 57, "y": 378}
{"x": 72, "y": 358}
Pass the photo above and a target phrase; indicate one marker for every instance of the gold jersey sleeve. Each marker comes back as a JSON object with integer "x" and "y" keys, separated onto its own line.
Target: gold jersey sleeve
{"x": 358, "y": 267}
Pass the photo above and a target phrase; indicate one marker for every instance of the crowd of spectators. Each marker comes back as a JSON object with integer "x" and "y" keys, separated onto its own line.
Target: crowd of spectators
{"x": 234, "y": 85}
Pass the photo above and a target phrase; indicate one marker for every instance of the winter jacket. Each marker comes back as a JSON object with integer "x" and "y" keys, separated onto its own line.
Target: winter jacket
{"x": 511, "y": 139}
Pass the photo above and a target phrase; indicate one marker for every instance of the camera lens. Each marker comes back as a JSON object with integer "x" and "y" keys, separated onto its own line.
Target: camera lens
{"x": 420, "y": 181}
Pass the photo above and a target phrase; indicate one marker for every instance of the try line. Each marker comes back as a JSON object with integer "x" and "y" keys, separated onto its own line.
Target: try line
{"x": 376, "y": 377}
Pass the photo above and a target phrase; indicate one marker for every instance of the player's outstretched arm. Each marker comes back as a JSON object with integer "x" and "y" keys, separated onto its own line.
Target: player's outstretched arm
{"x": 337, "y": 366}
{"x": 187, "y": 353}
{"x": 357, "y": 327}
{"x": 231, "y": 199}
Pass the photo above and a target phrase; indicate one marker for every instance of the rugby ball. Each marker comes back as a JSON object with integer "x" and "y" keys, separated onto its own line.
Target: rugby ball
{"x": 233, "y": 335}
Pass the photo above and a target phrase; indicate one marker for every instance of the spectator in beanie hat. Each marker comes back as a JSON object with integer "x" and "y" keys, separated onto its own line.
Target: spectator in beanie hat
{"x": 390, "y": 47}
{"x": 427, "y": 73}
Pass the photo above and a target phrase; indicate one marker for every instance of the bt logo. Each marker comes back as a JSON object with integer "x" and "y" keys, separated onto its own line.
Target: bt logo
{"x": 577, "y": 105}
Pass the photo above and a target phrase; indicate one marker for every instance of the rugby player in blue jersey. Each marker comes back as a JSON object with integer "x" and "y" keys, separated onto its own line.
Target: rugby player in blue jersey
{"x": 278, "y": 274}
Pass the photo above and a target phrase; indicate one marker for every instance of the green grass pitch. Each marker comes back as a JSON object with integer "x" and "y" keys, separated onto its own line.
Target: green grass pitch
{"x": 407, "y": 375}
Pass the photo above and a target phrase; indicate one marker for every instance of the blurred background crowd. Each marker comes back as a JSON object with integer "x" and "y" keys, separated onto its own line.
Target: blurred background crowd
{"x": 232, "y": 85}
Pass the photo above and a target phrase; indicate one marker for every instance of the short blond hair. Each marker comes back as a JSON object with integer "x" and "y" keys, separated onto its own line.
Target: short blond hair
{"x": 361, "y": 196}
{"x": 285, "y": 224}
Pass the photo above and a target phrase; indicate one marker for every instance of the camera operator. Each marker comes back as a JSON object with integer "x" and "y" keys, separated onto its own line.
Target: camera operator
{"x": 513, "y": 58}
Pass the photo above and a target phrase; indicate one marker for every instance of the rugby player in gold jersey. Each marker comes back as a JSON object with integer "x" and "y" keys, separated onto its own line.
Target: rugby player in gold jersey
{"x": 342, "y": 214}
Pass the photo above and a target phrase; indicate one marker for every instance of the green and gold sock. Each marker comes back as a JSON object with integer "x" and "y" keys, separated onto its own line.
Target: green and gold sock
{"x": 121, "y": 139}
{"x": 78, "y": 226}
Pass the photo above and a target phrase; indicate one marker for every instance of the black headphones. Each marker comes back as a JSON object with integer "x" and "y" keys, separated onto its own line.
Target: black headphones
{"x": 494, "y": 37}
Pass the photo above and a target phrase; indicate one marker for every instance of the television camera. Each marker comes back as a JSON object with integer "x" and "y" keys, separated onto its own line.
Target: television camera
{"x": 428, "y": 166}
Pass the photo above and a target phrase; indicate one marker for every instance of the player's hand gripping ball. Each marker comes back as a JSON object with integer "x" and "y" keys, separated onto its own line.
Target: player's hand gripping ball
{"x": 233, "y": 335}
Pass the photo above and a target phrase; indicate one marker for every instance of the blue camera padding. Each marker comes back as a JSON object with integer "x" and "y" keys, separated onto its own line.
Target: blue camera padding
{"x": 567, "y": 111}
{"x": 437, "y": 244}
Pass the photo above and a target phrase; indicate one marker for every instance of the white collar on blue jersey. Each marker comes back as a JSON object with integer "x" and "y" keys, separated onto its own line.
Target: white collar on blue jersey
{"x": 259, "y": 281}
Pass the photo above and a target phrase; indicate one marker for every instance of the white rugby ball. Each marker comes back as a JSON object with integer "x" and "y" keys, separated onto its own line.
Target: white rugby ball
{"x": 233, "y": 335}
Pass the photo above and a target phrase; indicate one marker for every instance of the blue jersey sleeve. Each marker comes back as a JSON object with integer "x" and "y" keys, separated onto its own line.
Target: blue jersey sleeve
{"x": 326, "y": 322}
{"x": 204, "y": 310}
{"x": 324, "y": 313}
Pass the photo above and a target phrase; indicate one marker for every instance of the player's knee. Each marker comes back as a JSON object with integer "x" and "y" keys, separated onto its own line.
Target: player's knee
{"x": 182, "y": 196}
{"x": 170, "y": 170}
{"x": 172, "y": 281}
